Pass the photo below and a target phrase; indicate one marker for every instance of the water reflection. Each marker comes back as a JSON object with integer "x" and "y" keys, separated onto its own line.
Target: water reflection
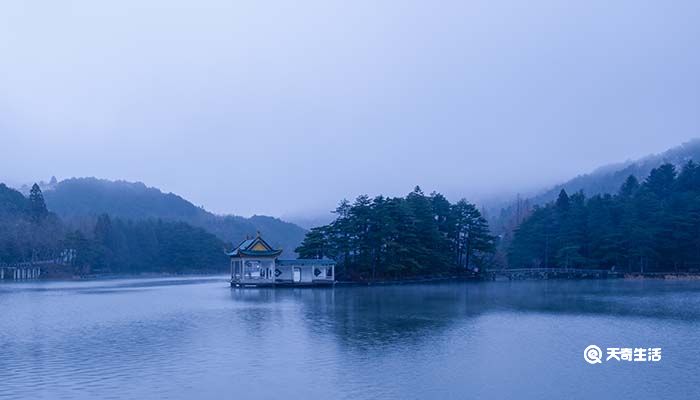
{"x": 376, "y": 316}
{"x": 198, "y": 338}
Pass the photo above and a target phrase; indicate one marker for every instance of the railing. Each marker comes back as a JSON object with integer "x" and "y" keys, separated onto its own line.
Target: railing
{"x": 30, "y": 263}
{"x": 553, "y": 270}
{"x": 547, "y": 273}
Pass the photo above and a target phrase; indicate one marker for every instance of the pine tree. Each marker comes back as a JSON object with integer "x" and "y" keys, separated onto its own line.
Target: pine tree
{"x": 630, "y": 187}
{"x": 401, "y": 237}
{"x": 660, "y": 181}
{"x": 37, "y": 206}
{"x": 563, "y": 201}
{"x": 315, "y": 244}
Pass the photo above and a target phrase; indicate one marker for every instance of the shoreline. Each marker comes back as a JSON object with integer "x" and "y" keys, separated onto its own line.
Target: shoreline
{"x": 409, "y": 281}
{"x": 486, "y": 277}
{"x": 573, "y": 275}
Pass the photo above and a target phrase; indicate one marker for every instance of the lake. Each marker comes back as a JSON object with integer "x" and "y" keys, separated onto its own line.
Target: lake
{"x": 187, "y": 338}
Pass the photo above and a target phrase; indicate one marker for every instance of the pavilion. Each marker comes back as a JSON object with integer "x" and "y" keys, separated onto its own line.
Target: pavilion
{"x": 255, "y": 263}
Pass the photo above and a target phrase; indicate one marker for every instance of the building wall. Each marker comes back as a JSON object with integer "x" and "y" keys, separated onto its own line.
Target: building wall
{"x": 307, "y": 273}
{"x": 286, "y": 273}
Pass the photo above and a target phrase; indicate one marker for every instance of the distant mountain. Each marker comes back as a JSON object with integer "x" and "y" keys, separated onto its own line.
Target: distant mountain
{"x": 311, "y": 221}
{"x": 609, "y": 178}
{"x": 504, "y": 218}
{"x": 28, "y": 232}
{"x": 25, "y": 231}
{"x": 44, "y": 186}
{"x": 12, "y": 202}
{"x": 80, "y": 197}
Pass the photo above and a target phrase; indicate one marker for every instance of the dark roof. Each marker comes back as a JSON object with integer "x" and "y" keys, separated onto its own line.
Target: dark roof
{"x": 260, "y": 253}
{"x": 246, "y": 249}
{"x": 306, "y": 261}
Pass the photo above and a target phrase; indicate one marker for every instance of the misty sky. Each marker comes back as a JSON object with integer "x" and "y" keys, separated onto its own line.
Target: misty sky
{"x": 284, "y": 108}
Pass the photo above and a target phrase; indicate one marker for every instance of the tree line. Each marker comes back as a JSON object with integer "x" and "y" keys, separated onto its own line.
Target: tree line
{"x": 102, "y": 244}
{"x": 122, "y": 246}
{"x": 399, "y": 237}
{"x": 647, "y": 226}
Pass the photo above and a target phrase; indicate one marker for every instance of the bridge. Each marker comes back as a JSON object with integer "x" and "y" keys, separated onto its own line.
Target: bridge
{"x": 20, "y": 271}
{"x": 552, "y": 273}
{"x": 30, "y": 270}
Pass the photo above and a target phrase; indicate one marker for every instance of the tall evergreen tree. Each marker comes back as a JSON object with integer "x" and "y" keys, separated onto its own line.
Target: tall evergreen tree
{"x": 315, "y": 244}
{"x": 630, "y": 187}
{"x": 37, "y": 205}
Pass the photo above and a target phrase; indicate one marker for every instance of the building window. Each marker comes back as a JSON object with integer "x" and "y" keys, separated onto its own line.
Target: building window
{"x": 329, "y": 272}
{"x": 252, "y": 269}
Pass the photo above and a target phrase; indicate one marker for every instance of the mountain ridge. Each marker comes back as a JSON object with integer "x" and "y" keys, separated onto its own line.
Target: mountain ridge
{"x": 89, "y": 196}
{"x": 608, "y": 178}
{"x": 506, "y": 216}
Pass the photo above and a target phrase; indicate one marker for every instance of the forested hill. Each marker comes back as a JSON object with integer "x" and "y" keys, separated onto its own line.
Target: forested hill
{"x": 88, "y": 197}
{"x": 647, "y": 226}
{"x": 606, "y": 179}
{"x": 105, "y": 245}
{"x": 609, "y": 178}
{"x": 27, "y": 229}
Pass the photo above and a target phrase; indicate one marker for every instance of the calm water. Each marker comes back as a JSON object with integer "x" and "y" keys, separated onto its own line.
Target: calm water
{"x": 197, "y": 338}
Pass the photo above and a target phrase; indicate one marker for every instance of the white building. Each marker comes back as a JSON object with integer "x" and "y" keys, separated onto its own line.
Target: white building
{"x": 254, "y": 263}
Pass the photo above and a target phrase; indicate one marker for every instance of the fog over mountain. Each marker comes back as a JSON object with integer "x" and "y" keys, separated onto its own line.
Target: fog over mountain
{"x": 283, "y": 109}
{"x": 81, "y": 198}
{"x": 506, "y": 214}
{"x": 609, "y": 178}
